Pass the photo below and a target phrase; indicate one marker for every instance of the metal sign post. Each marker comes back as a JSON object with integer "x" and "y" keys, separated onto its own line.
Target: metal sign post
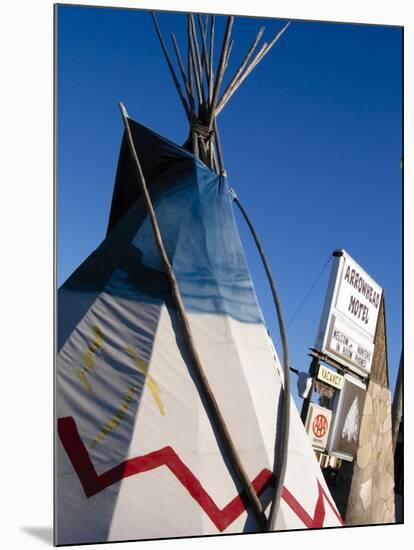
{"x": 313, "y": 369}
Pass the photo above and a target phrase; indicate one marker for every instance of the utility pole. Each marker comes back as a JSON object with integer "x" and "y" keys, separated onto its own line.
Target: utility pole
{"x": 307, "y": 401}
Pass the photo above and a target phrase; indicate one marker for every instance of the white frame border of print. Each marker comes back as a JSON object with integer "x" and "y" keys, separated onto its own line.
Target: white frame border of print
{"x": 336, "y": 410}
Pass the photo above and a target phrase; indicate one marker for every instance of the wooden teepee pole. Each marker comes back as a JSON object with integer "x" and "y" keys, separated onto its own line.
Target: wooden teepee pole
{"x": 220, "y": 71}
{"x": 281, "y": 451}
{"x": 203, "y": 30}
{"x": 184, "y": 76}
{"x": 197, "y": 57}
{"x": 170, "y": 67}
{"x": 239, "y": 71}
{"x": 211, "y": 61}
{"x": 264, "y": 50}
{"x": 215, "y": 412}
{"x": 195, "y": 66}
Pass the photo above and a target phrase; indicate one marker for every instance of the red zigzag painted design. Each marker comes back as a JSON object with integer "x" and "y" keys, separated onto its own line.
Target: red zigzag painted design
{"x": 93, "y": 483}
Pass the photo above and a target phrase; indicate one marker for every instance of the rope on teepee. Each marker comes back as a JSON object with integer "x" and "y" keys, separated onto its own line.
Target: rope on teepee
{"x": 281, "y": 453}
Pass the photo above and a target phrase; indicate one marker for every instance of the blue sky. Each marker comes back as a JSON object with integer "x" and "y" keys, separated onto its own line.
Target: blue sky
{"x": 312, "y": 143}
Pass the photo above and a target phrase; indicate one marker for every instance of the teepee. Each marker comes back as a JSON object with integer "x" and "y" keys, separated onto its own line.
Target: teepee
{"x": 173, "y": 411}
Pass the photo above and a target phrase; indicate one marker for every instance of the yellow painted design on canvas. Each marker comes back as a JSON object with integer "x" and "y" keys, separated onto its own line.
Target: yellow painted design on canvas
{"x": 152, "y": 385}
{"x": 97, "y": 343}
{"x": 115, "y": 420}
{"x": 84, "y": 380}
{"x": 88, "y": 358}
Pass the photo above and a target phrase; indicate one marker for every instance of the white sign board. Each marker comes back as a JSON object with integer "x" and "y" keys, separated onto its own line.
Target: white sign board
{"x": 349, "y": 319}
{"x": 348, "y": 406}
{"x": 318, "y": 424}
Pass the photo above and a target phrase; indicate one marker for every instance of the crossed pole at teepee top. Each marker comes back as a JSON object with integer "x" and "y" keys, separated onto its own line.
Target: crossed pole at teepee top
{"x": 201, "y": 83}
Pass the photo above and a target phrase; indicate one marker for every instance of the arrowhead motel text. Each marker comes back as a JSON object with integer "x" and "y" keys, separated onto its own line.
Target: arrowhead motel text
{"x": 355, "y": 307}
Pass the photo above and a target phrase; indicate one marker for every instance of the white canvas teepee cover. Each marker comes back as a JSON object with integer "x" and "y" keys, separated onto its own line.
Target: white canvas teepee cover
{"x": 137, "y": 453}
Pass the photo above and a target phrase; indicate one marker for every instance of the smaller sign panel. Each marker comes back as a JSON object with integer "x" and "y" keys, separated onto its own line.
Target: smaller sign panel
{"x": 348, "y": 407}
{"x": 349, "y": 348}
{"x": 318, "y": 424}
{"x": 330, "y": 377}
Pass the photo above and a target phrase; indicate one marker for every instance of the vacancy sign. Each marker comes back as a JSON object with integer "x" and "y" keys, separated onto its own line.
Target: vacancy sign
{"x": 330, "y": 377}
{"x": 318, "y": 424}
{"x": 349, "y": 319}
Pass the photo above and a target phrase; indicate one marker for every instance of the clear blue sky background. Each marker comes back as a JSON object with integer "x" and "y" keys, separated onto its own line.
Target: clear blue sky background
{"x": 312, "y": 144}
